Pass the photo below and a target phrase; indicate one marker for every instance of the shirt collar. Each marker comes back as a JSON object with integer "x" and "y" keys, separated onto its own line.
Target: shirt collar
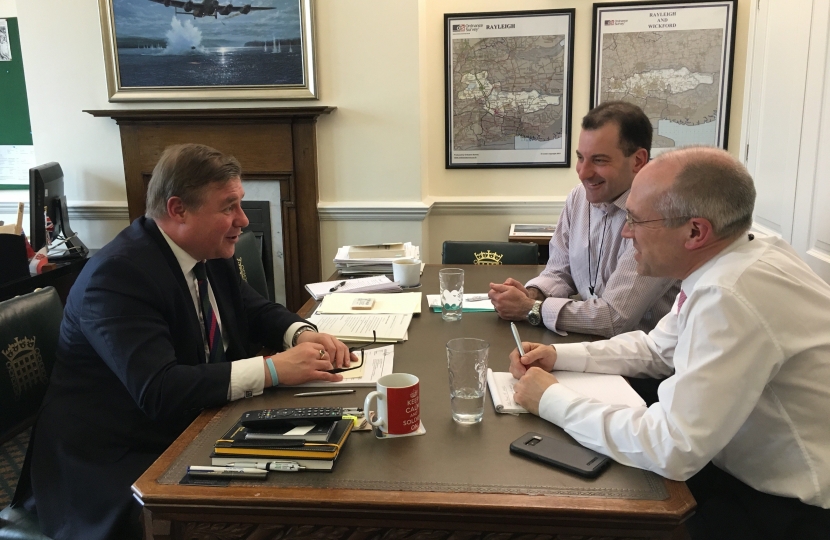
{"x": 185, "y": 260}
{"x": 689, "y": 283}
{"x": 619, "y": 202}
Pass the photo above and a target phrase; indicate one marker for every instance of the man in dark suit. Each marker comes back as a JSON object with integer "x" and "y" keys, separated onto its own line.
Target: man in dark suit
{"x": 152, "y": 335}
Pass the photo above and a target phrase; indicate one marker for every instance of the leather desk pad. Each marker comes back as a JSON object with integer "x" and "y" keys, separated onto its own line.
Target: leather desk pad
{"x": 449, "y": 457}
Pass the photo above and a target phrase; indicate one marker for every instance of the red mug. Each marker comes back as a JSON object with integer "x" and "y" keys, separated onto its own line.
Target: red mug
{"x": 398, "y": 409}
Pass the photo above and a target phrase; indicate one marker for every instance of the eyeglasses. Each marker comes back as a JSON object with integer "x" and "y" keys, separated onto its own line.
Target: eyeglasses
{"x": 630, "y": 221}
{"x": 362, "y": 350}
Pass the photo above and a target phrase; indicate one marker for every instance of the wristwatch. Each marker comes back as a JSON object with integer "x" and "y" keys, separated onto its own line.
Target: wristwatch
{"x": 534, "y": 316}
{"x": 300, "y": 331}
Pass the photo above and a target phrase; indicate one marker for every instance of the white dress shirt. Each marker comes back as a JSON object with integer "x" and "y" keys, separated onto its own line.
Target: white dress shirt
{"x": 624, "y": 300}
{"x": 749, "y": 359}
{"x": 248, "y": 375}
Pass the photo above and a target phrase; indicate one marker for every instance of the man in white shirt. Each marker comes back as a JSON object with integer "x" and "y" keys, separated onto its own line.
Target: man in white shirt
{"x": 746, "y": 350}
{"x": 590, "y": 284}
{"x": 159, "y": 326}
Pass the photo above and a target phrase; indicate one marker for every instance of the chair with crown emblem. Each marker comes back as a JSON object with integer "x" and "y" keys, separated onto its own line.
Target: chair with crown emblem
{"x": 460, "y": 252}
{"x": 29, "y": 330}
{"x": 248, "y": 257}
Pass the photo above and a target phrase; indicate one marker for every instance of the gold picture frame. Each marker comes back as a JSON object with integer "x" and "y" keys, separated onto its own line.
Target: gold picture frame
{"x": 191, "y": 63}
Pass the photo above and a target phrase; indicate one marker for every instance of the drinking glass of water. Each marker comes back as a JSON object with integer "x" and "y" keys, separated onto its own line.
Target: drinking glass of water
{"x": 451, "y": 287}
{"x": 467, "y": 364}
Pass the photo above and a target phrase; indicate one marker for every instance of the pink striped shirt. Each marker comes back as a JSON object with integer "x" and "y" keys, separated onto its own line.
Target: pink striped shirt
{"x": 624, "y": 300}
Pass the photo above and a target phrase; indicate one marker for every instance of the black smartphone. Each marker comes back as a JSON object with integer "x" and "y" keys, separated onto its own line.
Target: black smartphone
{"x": 565, "y": 455}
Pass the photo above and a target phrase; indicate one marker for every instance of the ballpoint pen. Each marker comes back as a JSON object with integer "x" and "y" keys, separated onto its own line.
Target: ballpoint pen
{"x": 476, "y": 298}
{"x": 517, "y": 339}
{"x": 325, "y": 393}
{"x": 279, "y": 466}
{"x": 337, "y": 286}
{"x": 227, "y": 472}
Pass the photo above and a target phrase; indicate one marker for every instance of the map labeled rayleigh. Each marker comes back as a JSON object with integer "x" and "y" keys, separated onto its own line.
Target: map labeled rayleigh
{"x": 674, "y": 76}
{"x": 507, "y": 93}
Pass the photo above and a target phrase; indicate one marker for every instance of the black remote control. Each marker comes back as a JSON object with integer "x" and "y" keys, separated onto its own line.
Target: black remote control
{"x": 305, "y": 416}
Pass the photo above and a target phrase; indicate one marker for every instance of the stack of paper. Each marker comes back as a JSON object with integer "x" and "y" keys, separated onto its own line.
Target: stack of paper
{"x": 366, "y": 284}
{"x": 379, "y": 264}
{"x": 611, "y": 389}
{"x": 389, "y": 328}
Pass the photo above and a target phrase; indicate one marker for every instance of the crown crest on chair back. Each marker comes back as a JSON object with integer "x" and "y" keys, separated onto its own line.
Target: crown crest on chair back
{"x": 488, "y": 257}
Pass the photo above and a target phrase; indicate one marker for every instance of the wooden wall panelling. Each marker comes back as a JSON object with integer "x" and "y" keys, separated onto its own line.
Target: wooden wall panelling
{"x": 276, "y": 144}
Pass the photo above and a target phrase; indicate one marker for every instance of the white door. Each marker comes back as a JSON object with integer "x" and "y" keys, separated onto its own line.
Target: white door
{"x": 787, "y": 128}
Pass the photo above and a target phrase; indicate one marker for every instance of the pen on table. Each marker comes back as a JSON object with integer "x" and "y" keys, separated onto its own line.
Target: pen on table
{"x": 232, "y": 472}
{"x": 517, "y": 339}
{"x": 337, "y": 286}
{"x": 325, "y": 393}
{"x": 280, "y": 466}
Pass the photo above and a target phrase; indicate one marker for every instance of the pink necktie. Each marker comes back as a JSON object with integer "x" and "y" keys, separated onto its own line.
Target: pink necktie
{"x": 680, "y": 299}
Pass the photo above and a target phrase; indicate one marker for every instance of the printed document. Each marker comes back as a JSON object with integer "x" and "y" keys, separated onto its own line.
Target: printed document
{"x": 376, "y": 363}
{"x": 390, "y": 328}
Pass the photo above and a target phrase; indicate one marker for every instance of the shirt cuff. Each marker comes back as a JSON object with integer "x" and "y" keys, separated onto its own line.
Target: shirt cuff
{"x": 288, "y": 337}
{"x": 556, "y": 401}
{"x": 550, "y": 312}
{"x": 247, "y": 378}
{"x": 571, "y": 357}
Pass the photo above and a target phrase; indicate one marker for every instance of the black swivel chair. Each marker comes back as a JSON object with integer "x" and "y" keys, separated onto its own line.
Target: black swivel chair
{"x": 489, "y": 253}
{"x": 248, "y": 258}
{"x": 29, "y": 329}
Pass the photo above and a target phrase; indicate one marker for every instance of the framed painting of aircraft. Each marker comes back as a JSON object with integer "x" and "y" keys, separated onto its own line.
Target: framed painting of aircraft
{"x": 207, "y": 50}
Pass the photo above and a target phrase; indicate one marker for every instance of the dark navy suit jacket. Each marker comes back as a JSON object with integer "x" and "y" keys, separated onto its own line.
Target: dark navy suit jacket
{"x": 131, "y": 376}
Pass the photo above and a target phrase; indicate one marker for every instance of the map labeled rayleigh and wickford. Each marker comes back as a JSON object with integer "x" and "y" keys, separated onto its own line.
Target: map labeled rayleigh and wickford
{"x": 672, "y": 63}
{"x": 508, "y": 92}
{"x": 673, "y": 76}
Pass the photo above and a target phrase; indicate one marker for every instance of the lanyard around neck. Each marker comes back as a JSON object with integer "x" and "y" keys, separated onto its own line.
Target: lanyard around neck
{"x": 593, "y": 281}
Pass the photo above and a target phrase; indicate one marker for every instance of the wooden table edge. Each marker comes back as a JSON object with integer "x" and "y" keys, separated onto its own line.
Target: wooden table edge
{"x": 672, "y": 511}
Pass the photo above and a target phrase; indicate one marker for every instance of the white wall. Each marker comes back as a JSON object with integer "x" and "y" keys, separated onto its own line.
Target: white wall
{"x": 380, "y": 62}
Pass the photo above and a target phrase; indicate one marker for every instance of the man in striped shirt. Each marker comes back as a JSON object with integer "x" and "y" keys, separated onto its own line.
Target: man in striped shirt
{"x": 590, "y": 284}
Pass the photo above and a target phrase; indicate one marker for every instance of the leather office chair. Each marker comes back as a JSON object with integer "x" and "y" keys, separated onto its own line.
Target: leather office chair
{"x": 489, "y": 253}
{"x": 29, "y": 329}
{"x": 249, "y": 259}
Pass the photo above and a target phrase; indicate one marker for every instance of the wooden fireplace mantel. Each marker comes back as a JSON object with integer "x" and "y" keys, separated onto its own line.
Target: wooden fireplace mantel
{"x": 277, "y": 144}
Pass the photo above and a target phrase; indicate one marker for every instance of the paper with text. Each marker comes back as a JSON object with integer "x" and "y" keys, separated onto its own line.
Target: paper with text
{"x": 376, "y": 363}
{"x": 389, "y": 327}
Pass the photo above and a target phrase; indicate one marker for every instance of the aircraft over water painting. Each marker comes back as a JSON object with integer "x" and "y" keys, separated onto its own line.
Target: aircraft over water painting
{"x": 166, "y": 44}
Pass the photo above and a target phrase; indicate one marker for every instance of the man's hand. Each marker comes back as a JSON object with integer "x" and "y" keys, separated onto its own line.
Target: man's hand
{"x": 303, "y": 363}
{"x": 337, "y": 354}
{"x": 531, "y": 387}
{"x": 512, "y": 300}
{"x": 535, "y": 355}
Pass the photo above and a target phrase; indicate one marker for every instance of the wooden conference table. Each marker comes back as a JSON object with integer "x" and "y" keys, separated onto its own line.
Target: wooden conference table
{"x": 453, "y": 482}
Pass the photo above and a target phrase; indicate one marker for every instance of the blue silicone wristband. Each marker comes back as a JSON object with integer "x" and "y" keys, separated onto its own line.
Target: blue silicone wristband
{"x": 270, "y": 363}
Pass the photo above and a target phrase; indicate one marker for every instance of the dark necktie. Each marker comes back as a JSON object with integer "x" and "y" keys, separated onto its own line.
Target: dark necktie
{"x": 212, "y": 332}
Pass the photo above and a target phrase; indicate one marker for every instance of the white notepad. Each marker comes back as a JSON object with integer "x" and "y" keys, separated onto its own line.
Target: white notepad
{"x": 611, "y": 389}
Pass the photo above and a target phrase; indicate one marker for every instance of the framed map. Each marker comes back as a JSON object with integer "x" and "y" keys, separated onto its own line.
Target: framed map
{"x": 674, "y": 60}
{"x": 508, "y": 84}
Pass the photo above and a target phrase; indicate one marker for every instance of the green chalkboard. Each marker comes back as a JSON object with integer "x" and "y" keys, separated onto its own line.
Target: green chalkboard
{"x": 15, "y": 126}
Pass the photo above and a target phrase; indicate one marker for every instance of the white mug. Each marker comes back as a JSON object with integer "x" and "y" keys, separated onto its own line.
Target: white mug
{"x": 398, "y": 409}
{"x": 407, "y": 272}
